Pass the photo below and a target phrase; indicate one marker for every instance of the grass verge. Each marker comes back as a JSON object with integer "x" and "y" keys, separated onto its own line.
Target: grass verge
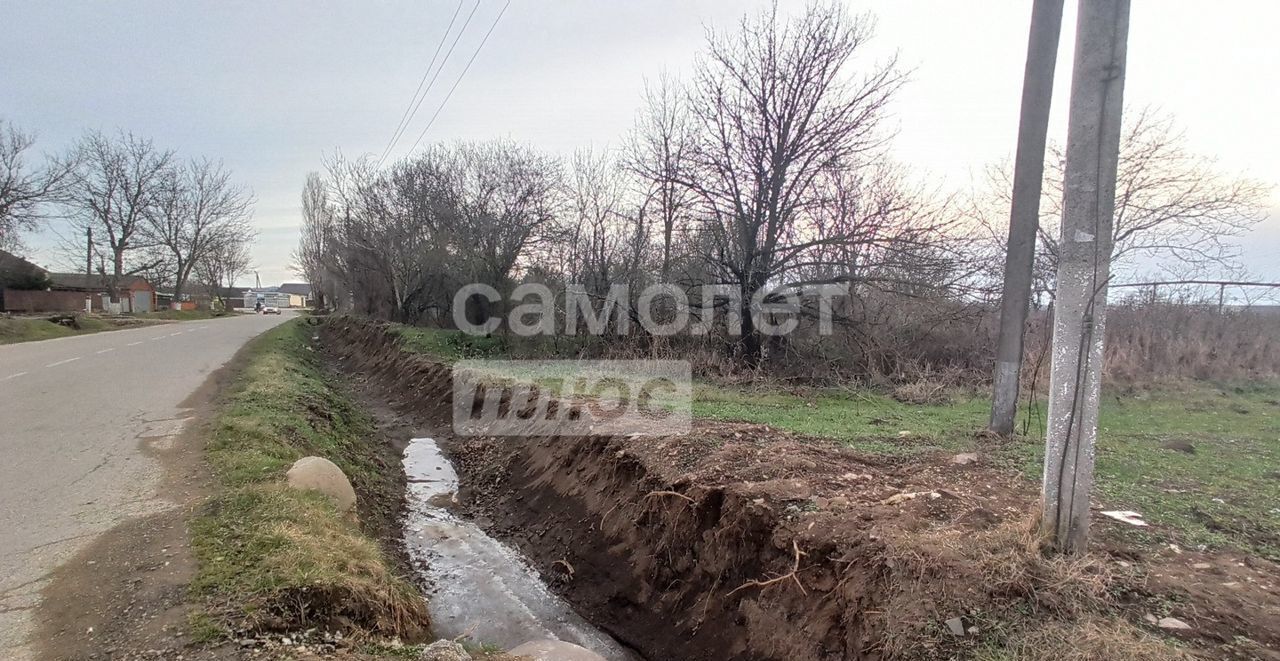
{"x": 183, "y": 315}
{"x": 273, "y": 558}
{"x": 31, "y": 329}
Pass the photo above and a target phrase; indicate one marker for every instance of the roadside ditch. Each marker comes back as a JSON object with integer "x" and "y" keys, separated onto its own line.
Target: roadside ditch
{"x": 740, "y": 541}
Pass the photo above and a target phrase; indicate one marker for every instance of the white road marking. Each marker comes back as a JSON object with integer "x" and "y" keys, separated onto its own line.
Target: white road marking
{"x": 134, "y": 344}
{"x": 158, "y": 337}
{"x": 202, "y": 327}
{"x": 63, "y": 362}
{"x": 175, "y": 334}
{"x": 13, "y": 376}
{"x": 106, "y": 350}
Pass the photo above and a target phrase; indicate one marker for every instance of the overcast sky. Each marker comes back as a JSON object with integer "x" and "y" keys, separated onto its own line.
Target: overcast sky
{"x": 269, "y": 87}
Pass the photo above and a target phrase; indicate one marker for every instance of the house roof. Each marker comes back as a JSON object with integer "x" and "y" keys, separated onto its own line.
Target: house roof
{"x": 81, "y": 281}
{"x": 299, "y": 288}
{"x": 13, "y": 264}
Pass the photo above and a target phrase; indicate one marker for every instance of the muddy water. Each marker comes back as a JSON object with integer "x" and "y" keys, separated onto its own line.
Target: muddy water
{"x": 481, "y": 588}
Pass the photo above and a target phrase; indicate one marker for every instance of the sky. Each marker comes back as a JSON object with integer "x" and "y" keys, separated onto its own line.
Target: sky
{"x": 271, "y": 87}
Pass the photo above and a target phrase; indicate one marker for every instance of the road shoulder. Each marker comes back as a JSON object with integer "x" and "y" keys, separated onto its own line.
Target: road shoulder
{"x": 125, "y": 595}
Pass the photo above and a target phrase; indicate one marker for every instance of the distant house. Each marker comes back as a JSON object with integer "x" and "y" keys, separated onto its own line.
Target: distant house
{"x": 18, "y": 273}
{"x": 269, "y": 297}
{"x": 299, "y": 293}
{"x": 135, "y": 292}
{"x": 231, "y": 297}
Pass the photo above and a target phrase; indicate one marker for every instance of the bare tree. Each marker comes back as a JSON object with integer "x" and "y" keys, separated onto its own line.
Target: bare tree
{"x": 25, "y": 190}
{"x": 225, "y": 261}
{"x": 400, "y": 241}
{"x": 112, "y": 193}
{"x": 315, "y": 259}
{"x": 658, "y": 153}
{"x": 196, "y": 208}
{"x": 776, "y": 108}
{"x": 601, "y": 233}
{"x": 508, "y": 206}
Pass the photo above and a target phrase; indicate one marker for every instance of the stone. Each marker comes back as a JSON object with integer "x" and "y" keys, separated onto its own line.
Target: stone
{"x": 320, "y": 474}
{"x": 956, "y": 625}
{"x": 1202, "y": 566}
{"x": 554, "y": 650}
{"x": 965, "y": 458}
{"x": 1173, "y": 624}
{"x": 444, "y": 650}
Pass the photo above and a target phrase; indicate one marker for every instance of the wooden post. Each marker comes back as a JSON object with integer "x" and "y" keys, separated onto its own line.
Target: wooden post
{"x": 1075, "y": 381}
{"x": 88, "y": 255}
{"x": 1024, "y": 212}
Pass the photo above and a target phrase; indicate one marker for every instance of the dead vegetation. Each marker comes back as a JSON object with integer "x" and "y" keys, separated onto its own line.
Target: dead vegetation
{"x": 1004, "y": 588}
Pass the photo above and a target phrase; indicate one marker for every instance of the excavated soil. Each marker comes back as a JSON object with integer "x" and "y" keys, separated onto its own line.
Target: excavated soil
{"x": 739, "y": 541}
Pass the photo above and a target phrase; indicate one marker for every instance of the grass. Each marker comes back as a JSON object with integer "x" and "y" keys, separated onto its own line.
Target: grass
{"x": 1223, "y": 494}
{"x": 448, "y": 346}
{"x": 32, "y": 329}
{"x": 182, "y": 315}
{"x": 864, "y": 420}
{"x": 273, "y": 557}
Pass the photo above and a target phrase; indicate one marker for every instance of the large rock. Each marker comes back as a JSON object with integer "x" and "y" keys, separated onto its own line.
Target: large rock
{"x": 444, "y": 650}
{"x": 555, "y": 650}
{"x": 320, "y": 474}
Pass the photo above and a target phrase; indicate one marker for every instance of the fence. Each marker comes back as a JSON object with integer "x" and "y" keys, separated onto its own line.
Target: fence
{"x": 31, "y": 301}
{"x": 1152, "y": 289}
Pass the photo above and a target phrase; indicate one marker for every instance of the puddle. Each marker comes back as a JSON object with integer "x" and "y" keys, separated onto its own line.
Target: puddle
{"x": 481, "y": 588}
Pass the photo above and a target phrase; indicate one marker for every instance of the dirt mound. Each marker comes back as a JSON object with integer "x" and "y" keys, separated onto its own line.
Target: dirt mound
{"x": 739, "y": 541}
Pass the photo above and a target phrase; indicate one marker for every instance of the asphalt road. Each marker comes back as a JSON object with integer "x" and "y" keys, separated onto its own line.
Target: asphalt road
{"x": 77, "y": 416}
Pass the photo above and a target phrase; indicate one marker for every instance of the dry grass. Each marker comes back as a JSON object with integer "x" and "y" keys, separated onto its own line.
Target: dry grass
{"x": 1018, "y": 598}
{"x": 923, "y": 393}
{"x": 1185, "y": 341}
{"x": 1088, "y": 640}
{"x": 280, "y": 560}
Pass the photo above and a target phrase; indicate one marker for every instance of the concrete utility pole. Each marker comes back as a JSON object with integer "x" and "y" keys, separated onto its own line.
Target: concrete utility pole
{"x": 1084, "y": 260}
{"x": 1024, "y": 212}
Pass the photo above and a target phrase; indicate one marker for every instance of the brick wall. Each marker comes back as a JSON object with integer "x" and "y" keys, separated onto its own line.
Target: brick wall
{"x": 19, "y": 300}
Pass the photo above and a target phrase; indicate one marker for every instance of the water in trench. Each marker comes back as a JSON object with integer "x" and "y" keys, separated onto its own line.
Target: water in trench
{"x": 481, "y": 588}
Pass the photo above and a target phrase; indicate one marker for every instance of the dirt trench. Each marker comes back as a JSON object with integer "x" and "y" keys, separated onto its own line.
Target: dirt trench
{"x": 733, "y": 542}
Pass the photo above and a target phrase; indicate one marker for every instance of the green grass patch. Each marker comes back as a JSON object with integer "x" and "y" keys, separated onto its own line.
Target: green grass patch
{"x": 31, "y": 329}
{"x": 277, "y": 558}
{"x": 449, "y": 345}
{"x": 863, "y": 419}
{"x": 1200, "y": 461}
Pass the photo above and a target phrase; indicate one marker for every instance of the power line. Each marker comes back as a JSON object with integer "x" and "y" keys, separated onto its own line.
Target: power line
{"x": 403, "y": 117}
{"x": 460, "y": 77}
{"x": 416, "y": 102}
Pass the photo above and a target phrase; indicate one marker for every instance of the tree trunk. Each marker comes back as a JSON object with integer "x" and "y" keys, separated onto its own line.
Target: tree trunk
{"x": 1024, "y": 213}
{"x": 1093, "y": 146}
